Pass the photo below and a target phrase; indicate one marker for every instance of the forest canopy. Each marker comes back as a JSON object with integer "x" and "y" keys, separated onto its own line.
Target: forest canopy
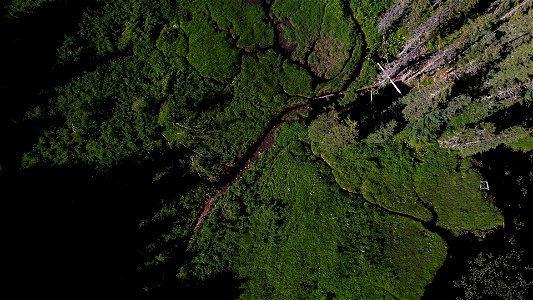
{"x": 271, "y": 149}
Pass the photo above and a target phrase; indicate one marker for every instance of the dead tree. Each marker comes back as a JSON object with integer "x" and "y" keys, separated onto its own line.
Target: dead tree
{"x": 395, "y": 12}
{"x": 390, "y": 80}
{"x": 428, "y": 26}
{"x": 413, "y": 49}
{"x": 522, "y": 5}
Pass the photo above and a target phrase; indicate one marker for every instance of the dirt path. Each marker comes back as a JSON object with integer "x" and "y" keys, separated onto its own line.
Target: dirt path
{"x": 265, "y": 143}
{"x": 315, "y": 105}
{"x": 233, "y": 174}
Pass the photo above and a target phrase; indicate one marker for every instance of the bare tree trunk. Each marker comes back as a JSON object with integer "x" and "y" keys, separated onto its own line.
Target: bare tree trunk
{"x": 430, "y": 24}
{"x": 396, "y": 11}
{"x": 516, "y": 9}
{"x": 392, "y": 82}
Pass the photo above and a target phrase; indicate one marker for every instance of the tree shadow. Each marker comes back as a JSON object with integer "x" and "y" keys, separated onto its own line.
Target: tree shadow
{"x": 29, "y": 71}
{"x": 511, "y": 185}
{"x": 383, "y": 108}
{"x": 224, "y": 286}
{"x": 74, "y": 232}
{"x": 29, "y": 50}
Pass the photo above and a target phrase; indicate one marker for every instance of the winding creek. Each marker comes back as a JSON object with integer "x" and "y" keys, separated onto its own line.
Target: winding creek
{"x": 315, "y": 107}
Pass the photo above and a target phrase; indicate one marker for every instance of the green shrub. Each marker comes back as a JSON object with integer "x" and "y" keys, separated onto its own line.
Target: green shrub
{"x": 524, "y": 145}
{"x": 172, "y": 42}
{"x": 305, "y": 21}
{"x": 295, "y": 80}
{"x": 328, "y": 134}
{"x": 321, "y": 31}
{"x": 403, "y": 180}
{"x": 452, "y": 189}
{"x": 17, "y": 8}
{"x": 292, "y": 233}
{"x": 414, "y": 254}
{"x": 382, "y": 173}
{"x": 367, "y": 13}
{"x": 347, "y": 73}
{"x": 210, "y": 51}
{"x": 367, "y": 76}
{"x": 247, "y": 23}
{"x": 258, "y": 98}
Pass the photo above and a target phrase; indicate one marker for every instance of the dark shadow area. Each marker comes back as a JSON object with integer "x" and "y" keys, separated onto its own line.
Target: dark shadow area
{"x": 383, "y": 108}
{"x": 517, "y": 114}
{"x": 29, "y": 50}
{"x": 29, "y": 70}
{"x": 510, "y": 178}
{"x": 511, "y": 185}
{"x": 224, "y": 287}
{"x": 461, "y": 250}
{"x": 73, "y": 233}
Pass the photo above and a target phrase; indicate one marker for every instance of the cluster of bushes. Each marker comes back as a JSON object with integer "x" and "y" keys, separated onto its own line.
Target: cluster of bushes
{"x": 348, "y": 72}
{"x": 367, "y": 13}
{"x": 322, "y": 32}
{"x": 288, "y": 231}
{"x": 18, "y": 8}
{"x": 416, "y": 182}
{"x": 201, "y": 81}
{"x": 210, "y": 52}
{"x": 246, "y": 22}
{"x": 152, "y": 90}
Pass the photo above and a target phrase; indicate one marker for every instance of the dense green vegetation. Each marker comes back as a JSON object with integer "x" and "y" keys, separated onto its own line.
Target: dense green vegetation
{"x": 306, "y": 238}
{"x": 416, "y": 183}
{"x": 246, "y": 23}
{"x": 321, "y": 30}
{"x": 367, "y": 13}
{"x": 256, "y": 149}
{"x": 172, "y": 104}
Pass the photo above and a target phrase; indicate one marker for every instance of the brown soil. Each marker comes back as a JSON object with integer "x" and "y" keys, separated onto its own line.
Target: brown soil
{"x": 282, "y": 40}
{"x": 329, "y": 56}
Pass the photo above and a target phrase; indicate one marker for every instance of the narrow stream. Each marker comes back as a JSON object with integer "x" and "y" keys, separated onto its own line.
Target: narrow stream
{"x": 315, "y": 107}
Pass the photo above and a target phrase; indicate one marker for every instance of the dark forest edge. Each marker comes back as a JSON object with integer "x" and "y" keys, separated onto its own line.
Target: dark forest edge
{"x": 135, "y": 113}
